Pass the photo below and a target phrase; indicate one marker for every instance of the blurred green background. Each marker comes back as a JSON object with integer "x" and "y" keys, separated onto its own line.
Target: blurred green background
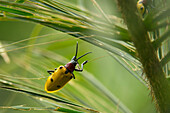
{"x": 109, "y": 72}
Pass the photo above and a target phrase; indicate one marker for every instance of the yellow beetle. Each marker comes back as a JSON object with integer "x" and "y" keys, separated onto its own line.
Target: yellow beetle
{"x": 141, "y": 7}
{"x": 63, "y": 74}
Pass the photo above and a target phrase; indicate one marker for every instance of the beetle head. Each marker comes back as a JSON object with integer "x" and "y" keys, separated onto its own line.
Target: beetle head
{"x": 74, "y": 60}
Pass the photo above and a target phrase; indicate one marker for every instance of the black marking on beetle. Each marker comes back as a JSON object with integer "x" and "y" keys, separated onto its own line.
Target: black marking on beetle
{"x": 50, "y": 72}
{"x": 58, "y": 86}
{"x": 71, "y": 77}
{"x": 66, "y": 71}
{"x": 61, "y": 67}
{"x": 51, "y": 80}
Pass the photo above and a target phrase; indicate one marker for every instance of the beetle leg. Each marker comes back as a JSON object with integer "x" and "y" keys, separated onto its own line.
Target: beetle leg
{"x": 78, "y": 70}
{"x": 50, "y": 71}
{"x": 73, "y": 75}
{"x": 78, "y": 66}
{"x": 81, "y": 66}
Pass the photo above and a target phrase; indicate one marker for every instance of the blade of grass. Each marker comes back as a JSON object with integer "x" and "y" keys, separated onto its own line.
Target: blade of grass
{"x": 105, "y": 91}
{"x": 100, "y": 9}
{"x": 27, "y": 39}
{"x": 42, "y": 96}
{"x": 111, "y": 49}
{"x": 162, "y": 15}
{"x": 20, "y": 1}
{"x": 14, "y": 11}
{"x": 24, "y": 108}
{"x": 4, "y": 54}
{"x": 35, "y": 10}
{"x": 91, "y": 79}
{"x": 133, "y": 72}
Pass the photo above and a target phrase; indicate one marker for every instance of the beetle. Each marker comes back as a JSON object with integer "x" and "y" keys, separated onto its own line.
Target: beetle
{"x": 63, "y": 74}
{"x": 141, "y": 8}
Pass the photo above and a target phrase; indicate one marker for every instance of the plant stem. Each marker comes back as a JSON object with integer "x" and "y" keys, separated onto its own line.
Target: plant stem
{"x": 147, "y": 54}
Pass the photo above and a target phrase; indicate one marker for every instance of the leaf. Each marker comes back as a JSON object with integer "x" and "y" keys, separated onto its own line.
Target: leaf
{"x": 14, "y": 11}
{"x": 23, "y": 108}
{"x": 156, "y": 19}
{"x": 166, "y": 59}
{"x": 136, "y": 71}
{"x": 158, "y": 42}
{"x": 86, "y": 93}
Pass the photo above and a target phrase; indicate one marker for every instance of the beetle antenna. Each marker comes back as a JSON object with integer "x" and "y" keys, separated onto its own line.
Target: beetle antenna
{"x": 76, "y": 50}
{"x": 83, "y": 56}
{"x": 74, "y": 57}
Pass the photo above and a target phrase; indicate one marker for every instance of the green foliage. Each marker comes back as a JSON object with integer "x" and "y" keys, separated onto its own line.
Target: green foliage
{"x": 30, "y": 57}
